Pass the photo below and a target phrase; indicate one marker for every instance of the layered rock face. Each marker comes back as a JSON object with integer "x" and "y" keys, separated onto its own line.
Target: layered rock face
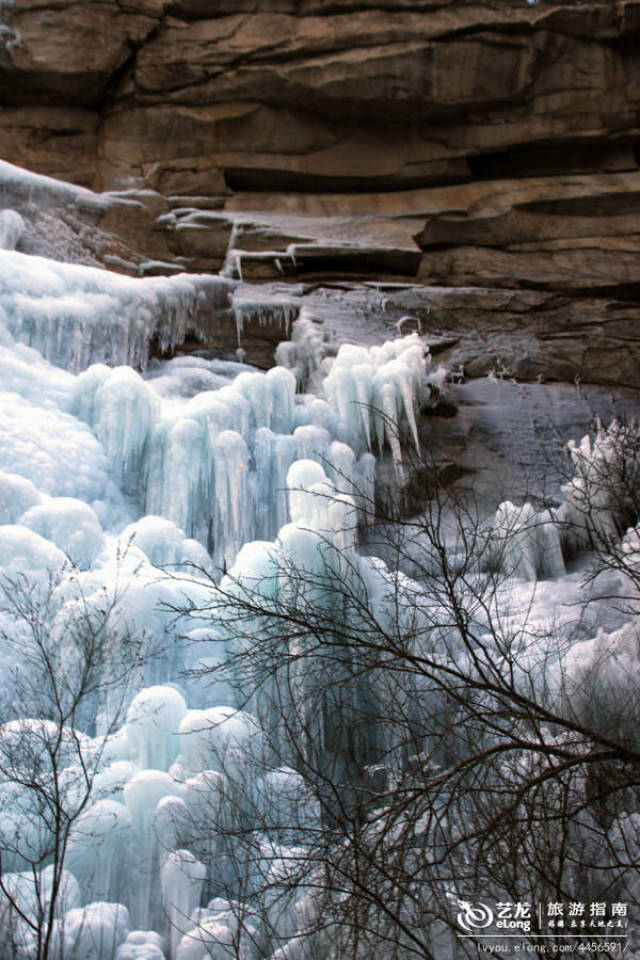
{"x": 490, "y": 147}
{"x": 207, "y": 96}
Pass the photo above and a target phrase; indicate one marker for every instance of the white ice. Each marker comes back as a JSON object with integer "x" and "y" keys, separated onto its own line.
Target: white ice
{"x": 76, "y": 315}
{"x": 218, "y": 466}
{"x": 12, "y": 227}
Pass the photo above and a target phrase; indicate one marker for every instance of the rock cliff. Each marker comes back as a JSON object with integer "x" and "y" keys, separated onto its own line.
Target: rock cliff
{"x": 207, "y": 97}
{"x": 489, "y": 147}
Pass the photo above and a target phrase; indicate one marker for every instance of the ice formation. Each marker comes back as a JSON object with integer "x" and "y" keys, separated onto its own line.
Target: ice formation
{"x": 182, "y": 880}
{"x": 373, "y": 395}
{"x": 200, "y": 463}
{"x": 153, "y": 721}
{"x": 21, "y": 549}
{"x": 196, "y": 462}
{"x": 24, "y": 185}
{"x": 141, "y": 945}
{"x": 11, "y": 229}
{"x": 173, "y": 765}
{"x": 304, "y": 352}
{"x": 124, "y": 498}
{"x": 94, "y": 932}
{"x": 597, "y": 506}
{"x": 263, "y": 310}
{"x": 17, "y": 495}
{"x": 77, "y": 315}
{"x": 526, "y": 543}
{"x": 71, "y": 525}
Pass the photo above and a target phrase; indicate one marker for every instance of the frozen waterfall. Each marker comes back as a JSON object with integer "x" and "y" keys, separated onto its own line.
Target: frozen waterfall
{"x": 159, "y": 522}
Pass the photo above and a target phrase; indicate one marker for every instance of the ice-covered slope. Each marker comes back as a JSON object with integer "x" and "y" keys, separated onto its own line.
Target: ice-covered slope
{"x": 125, "y": 496}
{"x": 77, "y": 315}
{"x": 106, "y": 478}
{"x": 214, "y": 463}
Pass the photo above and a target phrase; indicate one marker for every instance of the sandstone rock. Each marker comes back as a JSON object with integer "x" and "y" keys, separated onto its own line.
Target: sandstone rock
{"x": 594, "y": 265}
{"x": 57, "y": 141}
{"x": 313, "y": 139}
{"x": 67, "y": 52}
{"x": 506, "y": 213}
{"x": 524, "y": 74}
{"x": 527, "y": 335}
{"x": 306, "y": 261}
{"x": 173, "y": 150}
{"x": 239, "y": 146}
{"x": 209, "y": 97}
{"x": 200, "y": 238}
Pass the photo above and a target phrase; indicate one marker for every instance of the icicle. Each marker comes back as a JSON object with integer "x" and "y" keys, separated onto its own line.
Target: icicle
{"x": 182, "y": 880}
{"x": 233, "y": 518}
{"x": 12, "y": 227}
{"x": 77, "y": 315}
{"x": 153, "y": 719}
